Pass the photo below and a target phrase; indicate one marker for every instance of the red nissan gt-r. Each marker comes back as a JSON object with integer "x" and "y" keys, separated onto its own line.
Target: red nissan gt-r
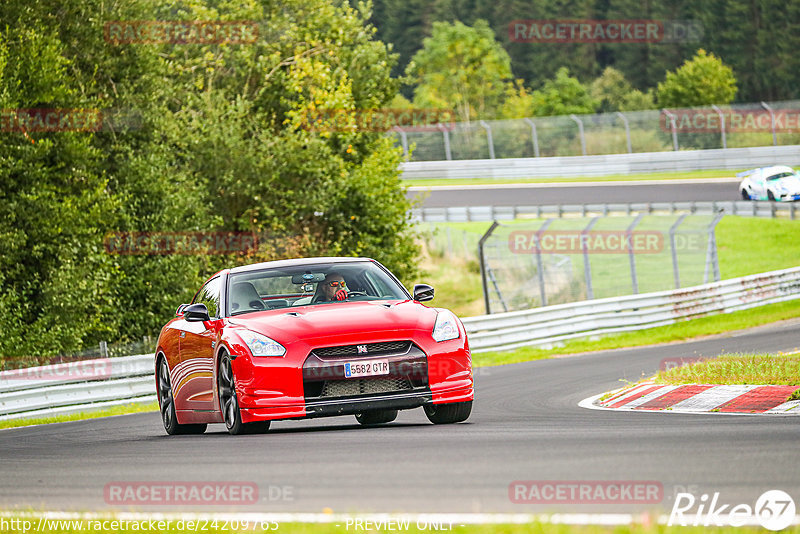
{"x": 304, "y": 338}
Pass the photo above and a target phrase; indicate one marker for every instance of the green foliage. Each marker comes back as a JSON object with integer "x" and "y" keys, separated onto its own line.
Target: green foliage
{"x": 758, "y": 40}
{"x": 561, "y": 96}
{"x": 703, "y": 80}
{"x": 462, "y": 68}
{"x": 615, "y": 93}
{"x": 221, "y": 142}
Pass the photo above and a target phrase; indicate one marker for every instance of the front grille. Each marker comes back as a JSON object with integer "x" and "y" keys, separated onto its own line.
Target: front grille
{"x": 347, "y": 388}
{"x": 386, "y": 347}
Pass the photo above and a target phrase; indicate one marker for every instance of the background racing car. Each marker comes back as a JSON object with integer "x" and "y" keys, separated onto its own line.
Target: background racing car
{"x": 777, "y": 182}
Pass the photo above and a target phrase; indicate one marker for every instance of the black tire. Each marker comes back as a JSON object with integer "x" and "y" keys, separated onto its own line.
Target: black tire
{"x": 445, "y": 414}
{"x": 166, "y": 404}
{"x": 229, "y": 403}
{"x": 745, "y": 195}
{"x": 376, "y": 417}
{"x": 770, "y": 196}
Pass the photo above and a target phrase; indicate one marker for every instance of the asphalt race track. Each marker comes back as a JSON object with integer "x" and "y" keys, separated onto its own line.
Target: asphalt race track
{"x": 577, "y": 193}
{"x": 526, "y": 425}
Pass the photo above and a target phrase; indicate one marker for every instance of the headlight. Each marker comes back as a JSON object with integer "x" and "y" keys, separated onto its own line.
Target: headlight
{"x": 261, "y": 345}
{"x": 446, "y": 326}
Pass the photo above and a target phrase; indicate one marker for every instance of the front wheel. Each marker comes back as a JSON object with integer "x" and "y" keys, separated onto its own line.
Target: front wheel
{"x": 166, "y": 404}
{"x": 376, "y": 417}
{"x": 745, "y": 195}
{"x": 770, "y": 196}
{"x": 444, "y": 414}
{"x": 229, "y": 403}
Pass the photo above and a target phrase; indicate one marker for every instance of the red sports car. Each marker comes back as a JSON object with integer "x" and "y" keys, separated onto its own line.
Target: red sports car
{"x": 304, "y": 338}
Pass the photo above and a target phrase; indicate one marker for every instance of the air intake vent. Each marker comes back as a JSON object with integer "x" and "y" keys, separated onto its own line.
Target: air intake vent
{"x": 348, "y": 388}
{"x": 367, "y": 349}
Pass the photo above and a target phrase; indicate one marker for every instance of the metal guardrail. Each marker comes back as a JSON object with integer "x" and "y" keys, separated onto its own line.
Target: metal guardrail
{"x": 573, "y": 166}
{"x": 697, "y": 128}
{"x": 77, "y": 386}
{"x": 92, "y": 384}
{"x": 553, "y": 324}
{"x": 743, "y": 208}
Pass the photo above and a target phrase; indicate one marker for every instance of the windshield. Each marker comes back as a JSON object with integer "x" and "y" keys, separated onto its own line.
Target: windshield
{"x": 310, "y": 285}
{"x": 779, "y": 176}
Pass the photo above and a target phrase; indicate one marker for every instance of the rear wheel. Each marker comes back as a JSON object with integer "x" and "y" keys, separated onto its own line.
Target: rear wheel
{"x": 443, "y": 414}
{"x": 167, "y": 404}
{"x": 770, "y": 196}
{"x": 229, "y": 403}
{"x": 376, "y": 417}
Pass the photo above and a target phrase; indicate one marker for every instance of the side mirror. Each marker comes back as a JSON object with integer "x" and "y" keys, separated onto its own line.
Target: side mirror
{"x": 423, "y": 292}
{"x": 196, "y": 313}
{"x": 179, "y": 311}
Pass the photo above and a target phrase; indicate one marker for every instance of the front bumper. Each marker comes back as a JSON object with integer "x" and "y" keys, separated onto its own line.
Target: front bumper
{"x": 317, "y": 386}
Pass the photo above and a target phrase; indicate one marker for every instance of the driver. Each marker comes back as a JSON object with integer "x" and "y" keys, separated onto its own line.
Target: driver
{"x": 332, "y": 288}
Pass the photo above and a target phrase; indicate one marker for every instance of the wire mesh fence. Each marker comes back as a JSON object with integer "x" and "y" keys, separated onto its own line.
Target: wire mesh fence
{"x": 527, "y": 264}
{"x": 731, "y": 126}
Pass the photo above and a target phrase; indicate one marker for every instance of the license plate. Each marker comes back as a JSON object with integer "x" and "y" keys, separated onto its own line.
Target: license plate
{"x": 369, "y": 368}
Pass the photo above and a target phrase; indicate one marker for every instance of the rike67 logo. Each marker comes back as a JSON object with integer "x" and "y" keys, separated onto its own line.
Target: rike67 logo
{"x": 773, "y": 510}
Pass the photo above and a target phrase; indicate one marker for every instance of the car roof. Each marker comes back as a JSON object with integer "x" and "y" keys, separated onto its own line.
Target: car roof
{"x": 776, "y": 169}
{"x": 294, "y": 262}
{"x": 765, "y": 171}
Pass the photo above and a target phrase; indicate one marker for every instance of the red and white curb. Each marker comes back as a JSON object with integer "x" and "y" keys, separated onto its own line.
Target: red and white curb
{"x": 698, "y": 398}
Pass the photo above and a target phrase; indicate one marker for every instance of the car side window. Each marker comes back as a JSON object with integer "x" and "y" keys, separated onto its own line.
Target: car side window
{"x": 209, "y": 295}
{"x": 379, "y": 285}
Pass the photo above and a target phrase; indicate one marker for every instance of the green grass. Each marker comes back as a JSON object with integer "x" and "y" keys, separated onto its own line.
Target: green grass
{"x": 106, "y": 412}
{"x": 720, "y": 173}
{"x": 331, "y": 528}
{"x": 746, "y": 245}
{"x": 681, "y": 331}
{"x": 737, "y": 368}
{"x": 754, "y": 245}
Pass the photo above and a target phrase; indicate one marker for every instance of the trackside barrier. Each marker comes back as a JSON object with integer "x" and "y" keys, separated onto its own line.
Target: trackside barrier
{"x": 92, "y": 384}
{"x": 744, "y": 208}
{"x": 77, "y": 386}
{"x": 553, "y": 324}
{"x": 604, "y": 165}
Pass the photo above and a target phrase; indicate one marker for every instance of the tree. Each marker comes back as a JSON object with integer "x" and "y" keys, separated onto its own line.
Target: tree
{"x": 463, "y": 68}
{"x": 223, "y": 144}
{"x": 562, "y": 95}
{"x": 703, "y": 80}
{"x": 615, "y": 93}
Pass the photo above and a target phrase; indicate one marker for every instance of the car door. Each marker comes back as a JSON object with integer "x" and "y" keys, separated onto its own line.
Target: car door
{"x": 197, "y": 344}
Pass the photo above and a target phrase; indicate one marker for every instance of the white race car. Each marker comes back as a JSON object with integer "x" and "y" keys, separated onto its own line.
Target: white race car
{"x": 778, "y": 182}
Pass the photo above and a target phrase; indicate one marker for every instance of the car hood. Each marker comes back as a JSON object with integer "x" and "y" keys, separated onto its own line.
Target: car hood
{"x": 791, "y": 184}
{"x": 341, "y": 322}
